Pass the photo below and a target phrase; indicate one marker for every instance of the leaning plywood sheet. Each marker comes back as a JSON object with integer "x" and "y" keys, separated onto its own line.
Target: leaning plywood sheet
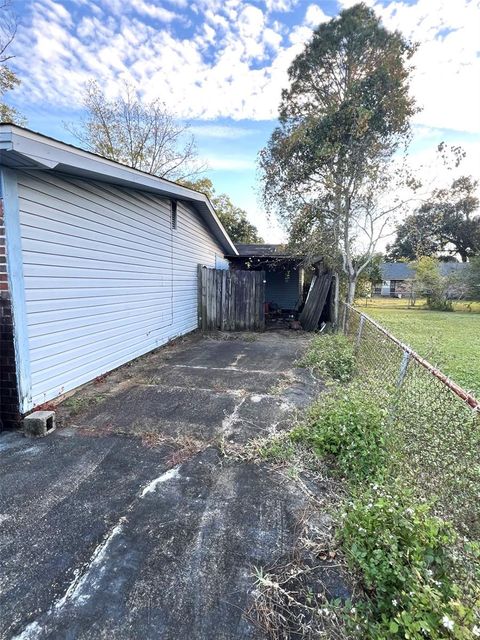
{"x": 316, "y": 299}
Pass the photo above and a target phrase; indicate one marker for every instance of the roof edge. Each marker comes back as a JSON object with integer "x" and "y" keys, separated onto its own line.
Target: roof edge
{"x": 52, "y": 154}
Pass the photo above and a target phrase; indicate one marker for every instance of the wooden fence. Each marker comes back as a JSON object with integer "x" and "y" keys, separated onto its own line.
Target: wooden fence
{"x": 231, "y": 300}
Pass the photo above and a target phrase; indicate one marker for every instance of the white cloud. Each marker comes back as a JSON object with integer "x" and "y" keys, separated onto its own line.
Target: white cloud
{"x": 280, "y": 5}
{"x": 234, "y": 64}
{"x": 315, "y": 16}
{"x": 154, "y": 11}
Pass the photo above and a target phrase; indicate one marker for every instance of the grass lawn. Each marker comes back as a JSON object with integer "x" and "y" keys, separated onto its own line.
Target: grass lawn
{"x": 451, "y": 341}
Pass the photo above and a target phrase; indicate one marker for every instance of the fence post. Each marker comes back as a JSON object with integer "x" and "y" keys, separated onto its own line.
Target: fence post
{"x": 402, "y": 372}
{"x": 201, "y": 297}
{"x": 359, "y": 332}
{"x": 343, "y": 323}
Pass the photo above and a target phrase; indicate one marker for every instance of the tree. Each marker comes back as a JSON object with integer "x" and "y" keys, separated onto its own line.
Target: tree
{"x": 430, "y": 282}
{"x": 143, "y": 136}
{"x": 8, "y": 78}
{"x": 447, "y": 222}
{"x": 416, "y": 236}
{"x": 233, "y": 218}
{"x": 371, "y": 276}
{"x": 344, "y": 115}
{"x": 472, "y": 278}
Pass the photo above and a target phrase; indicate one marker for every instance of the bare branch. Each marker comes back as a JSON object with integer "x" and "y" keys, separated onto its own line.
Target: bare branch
{"x": 143, "y": 136}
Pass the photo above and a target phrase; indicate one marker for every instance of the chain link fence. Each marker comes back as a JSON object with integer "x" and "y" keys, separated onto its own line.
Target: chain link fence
{"x": 433, "y": 426}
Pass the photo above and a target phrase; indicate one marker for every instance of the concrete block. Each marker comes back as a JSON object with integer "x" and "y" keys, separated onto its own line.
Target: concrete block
{"x": 39, "y": 423}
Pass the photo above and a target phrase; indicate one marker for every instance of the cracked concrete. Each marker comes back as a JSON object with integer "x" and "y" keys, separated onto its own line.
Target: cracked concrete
{"x": 102, "y": 536}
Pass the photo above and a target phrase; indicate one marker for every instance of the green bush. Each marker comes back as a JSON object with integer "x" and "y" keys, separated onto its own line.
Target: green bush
{"x": 331, "y": 356}
{"x": 439, "y": 304}
{"x": 408, "y": 571}
{"x": 350, "y": 426}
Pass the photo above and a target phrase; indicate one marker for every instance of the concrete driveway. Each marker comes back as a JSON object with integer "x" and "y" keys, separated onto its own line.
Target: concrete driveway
{"x": 128, "y": 522}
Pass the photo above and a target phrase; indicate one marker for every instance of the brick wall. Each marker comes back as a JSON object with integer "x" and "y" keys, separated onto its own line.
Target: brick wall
{"x": 9, "y": 402}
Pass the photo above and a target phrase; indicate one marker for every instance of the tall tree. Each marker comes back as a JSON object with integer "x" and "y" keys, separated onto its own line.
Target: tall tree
{"x": 448, "y": 222}
{"x": 344, "y": 115}
{"x": 233, "y": 218}
{"x": 145, "y": 136}
{"x": 416, "y": 236}
{"x": 8, "y": 78}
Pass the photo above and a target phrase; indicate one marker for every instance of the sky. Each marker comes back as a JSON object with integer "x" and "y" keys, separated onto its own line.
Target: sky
{"x": 220, "y": 66}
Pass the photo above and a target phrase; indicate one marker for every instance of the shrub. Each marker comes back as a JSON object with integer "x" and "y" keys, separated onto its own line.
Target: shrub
{"x": 331, "y": 356}
{"x": 439, "y": 304}
{"x": 404, "y": 556}
{"x": 348, "y": 425}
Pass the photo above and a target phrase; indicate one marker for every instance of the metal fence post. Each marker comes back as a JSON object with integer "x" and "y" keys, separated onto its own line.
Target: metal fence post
{"x": 359, "y": 332}
{"x": 403, "y": 368}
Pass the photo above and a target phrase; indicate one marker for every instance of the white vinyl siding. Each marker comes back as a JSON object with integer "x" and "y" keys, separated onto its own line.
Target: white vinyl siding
{"x": 106, "y": 277}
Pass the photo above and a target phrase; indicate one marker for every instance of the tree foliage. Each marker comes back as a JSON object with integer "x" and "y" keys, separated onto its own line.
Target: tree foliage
{"x": 8, "y": 78}
{"x": 233, "y": 218}
{"x": 448, "y": 222}
{"x": 431, "y": 283}
{"x": 371, "y": 276}
{"x": 472, "y": 278}
{"x": 345, "y": 113}
{"x": 145, "y": 136}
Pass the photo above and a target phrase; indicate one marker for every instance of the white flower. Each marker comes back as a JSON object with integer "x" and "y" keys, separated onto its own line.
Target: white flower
{"x": 476, "y": 631}
{"x": 409, "y": 511}
{"x": 394, "y": 602}
{"x": 447, "y": 623}
{"x": 353, "y": 610}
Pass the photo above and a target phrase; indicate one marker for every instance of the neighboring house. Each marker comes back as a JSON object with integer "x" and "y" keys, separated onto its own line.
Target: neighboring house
{"x": 99, "y": 265}
{"x": 284, "y": 274}
{"x": 398, "y": 277}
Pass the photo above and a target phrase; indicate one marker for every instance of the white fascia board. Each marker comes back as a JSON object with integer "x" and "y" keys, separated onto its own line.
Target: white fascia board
{"x": 53, "y": 154}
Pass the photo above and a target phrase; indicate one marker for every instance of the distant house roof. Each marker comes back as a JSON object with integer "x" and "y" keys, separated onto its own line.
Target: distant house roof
{"x": 403, "y": 271}
{"x": 396, "y": 271}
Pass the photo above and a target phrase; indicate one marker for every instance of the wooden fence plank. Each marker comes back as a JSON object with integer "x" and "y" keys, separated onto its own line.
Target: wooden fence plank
{"x": 231, "y": 300}
{"x": 316, "y": 299}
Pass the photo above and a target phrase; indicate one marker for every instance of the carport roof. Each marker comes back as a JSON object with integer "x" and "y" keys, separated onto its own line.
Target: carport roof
{"x": 22, "y": 148}
{"x": 273, "y": 254}
{"x": 261, "y": 250}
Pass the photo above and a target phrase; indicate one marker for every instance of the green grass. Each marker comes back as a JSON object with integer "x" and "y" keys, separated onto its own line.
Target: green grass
{"x": 451, "y": 341}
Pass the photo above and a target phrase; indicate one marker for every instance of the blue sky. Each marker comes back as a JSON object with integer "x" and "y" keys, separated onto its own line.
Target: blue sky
{"x": 221, "y": 65}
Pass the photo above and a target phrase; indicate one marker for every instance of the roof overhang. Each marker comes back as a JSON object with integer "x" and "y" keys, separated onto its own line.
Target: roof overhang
{"x": 278, "y": 258}
{"x": 24, "y": 149}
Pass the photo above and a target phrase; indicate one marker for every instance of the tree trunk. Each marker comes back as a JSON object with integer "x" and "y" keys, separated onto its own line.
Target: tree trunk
{"x": 352, "y": 284}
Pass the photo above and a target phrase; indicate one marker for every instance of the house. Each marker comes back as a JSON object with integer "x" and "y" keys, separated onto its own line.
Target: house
{"x": 98, "y": 265}
{"x": 398, "y": 277}
{"x": 284, "y": 273}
